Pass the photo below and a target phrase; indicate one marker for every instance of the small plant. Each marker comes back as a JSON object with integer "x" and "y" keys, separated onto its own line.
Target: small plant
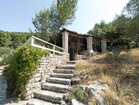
{"x": 115, "y": 52}
{"x": 117, "y": 90}
{"x": 88, "y": 71}
{"x": 5, "y": 59}
{"x": 78, "y": 94}
{"x": 83, "y": 96}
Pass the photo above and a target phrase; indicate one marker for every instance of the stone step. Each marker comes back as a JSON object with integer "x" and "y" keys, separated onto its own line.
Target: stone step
{"x": 49, "y": 96}
{"x": 66, "y": 67}
{"x": 71, "y": 62}
{"x": 59, "y": 81}
{"x": 39, "y": 102}
{"x": 55, "y": 87}
{"x": 64, "y": 71}
{"x": 58, "y": 75}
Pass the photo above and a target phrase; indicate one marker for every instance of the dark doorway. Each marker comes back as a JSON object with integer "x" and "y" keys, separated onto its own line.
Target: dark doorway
{"x": 71, "y": 54}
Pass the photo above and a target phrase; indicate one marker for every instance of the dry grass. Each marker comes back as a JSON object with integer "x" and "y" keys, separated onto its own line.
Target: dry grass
{"x": 112, "y": 99}
{"x": 105, "y": 79}
{"x": 94, "y": 101}
{"x": 123, "y": 71}
{"x": 83, "y": 66}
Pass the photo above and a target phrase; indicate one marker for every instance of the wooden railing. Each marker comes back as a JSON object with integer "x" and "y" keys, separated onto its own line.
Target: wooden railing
{"x": 30, "y": 41}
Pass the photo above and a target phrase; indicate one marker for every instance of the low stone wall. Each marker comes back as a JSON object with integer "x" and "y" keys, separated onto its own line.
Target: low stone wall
{"x": 47, "y": 65}
{"x": 85, "y": 57}
{"x": 81, "y": 57}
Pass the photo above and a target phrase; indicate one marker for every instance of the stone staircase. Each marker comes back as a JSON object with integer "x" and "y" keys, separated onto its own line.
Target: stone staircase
{"x": 55, "y": 88}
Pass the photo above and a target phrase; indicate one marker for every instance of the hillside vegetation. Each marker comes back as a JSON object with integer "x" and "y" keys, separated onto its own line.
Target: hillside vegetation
{"x": 119, "y": 71}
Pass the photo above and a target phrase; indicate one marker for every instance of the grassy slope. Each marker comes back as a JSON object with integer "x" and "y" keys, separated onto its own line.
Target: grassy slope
{"x": 121, "y": 74}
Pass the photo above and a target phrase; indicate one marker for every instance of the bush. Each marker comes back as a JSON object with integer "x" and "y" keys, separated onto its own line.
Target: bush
{"x": 77, "y": 93}
{"x": 23, "y": 65}
{"x": 83, "y": 96}
{"x": 5, "y": 50}
{"x": 5, "y": 55}
{"x": 5, "y": 59}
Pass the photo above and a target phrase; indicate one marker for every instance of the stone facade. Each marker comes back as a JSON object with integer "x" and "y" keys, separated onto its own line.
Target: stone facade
{"x": 48, "y": 64}
{"x": 65, "y": 41}
{"x": 103, "y": 45}
{"x": 89, "y": 45}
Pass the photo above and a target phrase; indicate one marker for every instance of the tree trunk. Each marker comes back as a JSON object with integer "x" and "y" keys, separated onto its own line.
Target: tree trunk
{"x": 136, "y": 41}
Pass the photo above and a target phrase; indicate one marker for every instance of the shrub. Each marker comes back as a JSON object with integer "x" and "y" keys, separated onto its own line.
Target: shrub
{"x": 5, "y": 59}
{"x": 83, "y": 96}
{"x": 78, "y": 94}
{"x": 5, "y": 55}
{"x": 5, "y": 50}
{"x": 23, "y": 65}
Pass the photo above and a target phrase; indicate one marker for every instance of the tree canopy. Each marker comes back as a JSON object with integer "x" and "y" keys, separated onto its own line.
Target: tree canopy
{"x": 50, "y": 21}
{"x": 132, "y": 10}
{"x": 42, "y": 23}
{"x": 13, "y": 39}
{"x": 123, "y": 27}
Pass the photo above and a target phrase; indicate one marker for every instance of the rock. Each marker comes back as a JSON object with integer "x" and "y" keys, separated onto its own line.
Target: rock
{"x": 97, "y": 89}
{"x": 75, "y": 80}
{"x": 75, "y": 102}
{"x": 78, "y": 73}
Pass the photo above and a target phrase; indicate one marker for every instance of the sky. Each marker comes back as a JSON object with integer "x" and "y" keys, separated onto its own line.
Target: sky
{"x": 16, "y": 15}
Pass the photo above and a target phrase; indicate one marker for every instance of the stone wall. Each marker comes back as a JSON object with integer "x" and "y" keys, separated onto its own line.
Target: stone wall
{"x": 81, "y": 57}
{"x": 48, "y": 64}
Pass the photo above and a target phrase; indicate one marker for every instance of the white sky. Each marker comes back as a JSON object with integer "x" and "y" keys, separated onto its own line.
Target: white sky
{"x": 93, "y": 11}
{"x": 17, "y": 15}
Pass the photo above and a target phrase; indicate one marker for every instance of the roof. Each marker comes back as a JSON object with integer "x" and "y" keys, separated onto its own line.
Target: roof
{"x": 79, "y": 35}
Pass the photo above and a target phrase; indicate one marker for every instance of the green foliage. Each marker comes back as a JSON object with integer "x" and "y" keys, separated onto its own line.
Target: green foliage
{"x": 118, "y": 91}
{"x": 23, "y": 65}
{"x": 13, "y": 39}
{"x": 4, "y": 39}
{"x": 115, "y": 32}
{"x": 5, "y": 55}
{"x": 50, "y": 21}
{"x": 132, "y": 8}
{"x": 5, "y": 59}
{"x": 80, "y": 95}
{"x": 42, "y": 23}
{"x": 98, "y": 29}
{"x": 5, "y": 50}
{"x": 77, "y": 93}
{"x": 88, "y": 71}
{"x": 124, "y": 26}
{"x": 115, "y": 52}
{"x": 122, "y": 23}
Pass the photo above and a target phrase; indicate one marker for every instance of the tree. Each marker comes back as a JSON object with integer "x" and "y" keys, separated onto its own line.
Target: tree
{"x": 60, "y": 14}
{"x": 4, "y": 39}
{"x": 98, "y": 29}
{"x": 122, "y": 24}
{"x": 42, "y": 23}
{"x": 132, "y": 10}
{"x": 102, "y": 24}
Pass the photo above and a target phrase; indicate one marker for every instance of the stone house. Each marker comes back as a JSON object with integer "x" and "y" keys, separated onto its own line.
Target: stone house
{"x": 79, "y": 46}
